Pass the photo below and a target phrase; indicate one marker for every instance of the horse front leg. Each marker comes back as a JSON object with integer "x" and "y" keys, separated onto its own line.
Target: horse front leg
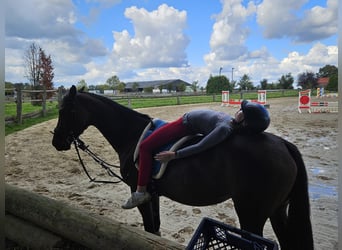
{"x": 150, "y": 213}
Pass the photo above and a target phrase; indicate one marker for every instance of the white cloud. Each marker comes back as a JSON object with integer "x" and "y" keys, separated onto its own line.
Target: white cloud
{"x": 283, "y": 19}
{"x": 14, "y": 65}
{"x": 279, "y": 19}
{"x": 95, "y": 9}
{"x": 104, "y": 3}
{"x": 159, "y": 39}
{"x": 36, "y": 19}
{"x": 157, "y": 48}
{"x": 317, "y": 57}
{"x": 49, "y": 24}
{"x": 295, "y": 63}
{"x": 229, "y": 34}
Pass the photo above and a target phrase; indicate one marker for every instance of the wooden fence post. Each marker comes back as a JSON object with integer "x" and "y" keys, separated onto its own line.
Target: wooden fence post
{"x": 19, "y": 105}
{"x": 60, "y": 96}
{"x": 44, "y": 102}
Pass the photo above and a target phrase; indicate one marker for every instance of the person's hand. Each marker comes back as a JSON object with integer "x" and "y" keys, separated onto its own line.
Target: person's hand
{"x": 239, "y": 116}
{"x": 165, "y": 156}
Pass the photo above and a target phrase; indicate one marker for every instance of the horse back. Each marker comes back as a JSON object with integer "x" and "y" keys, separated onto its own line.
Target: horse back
{"x": 240, "y": 165}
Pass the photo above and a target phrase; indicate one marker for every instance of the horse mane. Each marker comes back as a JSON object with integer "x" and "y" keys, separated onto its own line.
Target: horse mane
{"x": 115, "y": 105}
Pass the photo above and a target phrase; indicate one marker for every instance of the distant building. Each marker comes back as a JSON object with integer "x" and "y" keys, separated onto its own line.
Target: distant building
{"x": 156, "y": 85}
{"x": 108, "y": 92}
{"x": 322, "y": 82}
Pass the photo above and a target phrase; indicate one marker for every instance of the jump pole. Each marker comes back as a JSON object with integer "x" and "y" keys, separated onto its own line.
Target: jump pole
{"x": 324, "y": 107}
{"x": 58, "y": 220}
{"x": 305, "y": 103}
{"x": 262, "y": 99}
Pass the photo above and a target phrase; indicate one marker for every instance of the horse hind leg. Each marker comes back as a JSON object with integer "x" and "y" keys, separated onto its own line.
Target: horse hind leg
{"x": 251, "y": 216}
{"x": 279, "y": 225}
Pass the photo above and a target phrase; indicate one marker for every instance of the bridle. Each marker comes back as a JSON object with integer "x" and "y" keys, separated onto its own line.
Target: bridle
{"x": 79, "y": 144}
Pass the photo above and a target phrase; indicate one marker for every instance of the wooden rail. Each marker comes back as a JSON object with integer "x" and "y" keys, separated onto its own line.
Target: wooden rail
{"x": 39, "y": 222}
{"x": 19, "y": 99}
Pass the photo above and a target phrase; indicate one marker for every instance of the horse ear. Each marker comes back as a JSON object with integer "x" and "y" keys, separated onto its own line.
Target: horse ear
{"x": 73, "y": 91}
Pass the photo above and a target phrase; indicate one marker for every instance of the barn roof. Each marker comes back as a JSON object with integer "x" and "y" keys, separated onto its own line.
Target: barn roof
{"x": 323, "y": 81}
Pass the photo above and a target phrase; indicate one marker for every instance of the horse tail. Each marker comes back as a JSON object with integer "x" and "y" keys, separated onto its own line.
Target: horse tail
{"x": 299, "y": 225}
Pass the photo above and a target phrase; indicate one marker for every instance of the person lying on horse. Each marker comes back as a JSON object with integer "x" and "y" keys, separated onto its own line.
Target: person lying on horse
{"x": 214, "y": 126}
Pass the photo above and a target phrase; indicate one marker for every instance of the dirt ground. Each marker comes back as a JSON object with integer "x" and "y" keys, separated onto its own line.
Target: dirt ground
{"x": 33, "y": 164}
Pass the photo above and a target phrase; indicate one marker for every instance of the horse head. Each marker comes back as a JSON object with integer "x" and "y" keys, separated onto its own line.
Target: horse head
{"x": 72, "y": 121}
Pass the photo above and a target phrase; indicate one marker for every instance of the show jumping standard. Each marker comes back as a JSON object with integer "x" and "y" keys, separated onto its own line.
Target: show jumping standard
{"x": 263, "y": 174}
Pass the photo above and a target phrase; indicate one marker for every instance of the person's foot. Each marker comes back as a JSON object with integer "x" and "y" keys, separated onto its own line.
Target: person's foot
{"x": 136, "y": 199}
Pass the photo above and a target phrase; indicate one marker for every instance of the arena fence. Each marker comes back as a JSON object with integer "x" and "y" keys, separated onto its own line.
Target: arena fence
{"x": 35, "y": 97}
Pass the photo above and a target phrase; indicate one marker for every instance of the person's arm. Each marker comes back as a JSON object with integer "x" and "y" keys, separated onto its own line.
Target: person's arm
{"x": 214, "y": 137}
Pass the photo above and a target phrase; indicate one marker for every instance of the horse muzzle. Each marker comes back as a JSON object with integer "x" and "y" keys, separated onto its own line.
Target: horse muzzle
{"x": 61, "y": 143}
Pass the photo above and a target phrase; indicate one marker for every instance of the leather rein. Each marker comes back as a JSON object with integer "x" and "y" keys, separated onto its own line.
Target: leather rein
{"x": 79, "y": 144}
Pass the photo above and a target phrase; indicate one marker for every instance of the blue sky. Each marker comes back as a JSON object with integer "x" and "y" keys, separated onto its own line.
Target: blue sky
{"x": 190, "y": 40}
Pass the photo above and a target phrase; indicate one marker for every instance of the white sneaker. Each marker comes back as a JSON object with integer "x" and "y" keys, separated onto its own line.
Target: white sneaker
{"x": 136, "y": 200}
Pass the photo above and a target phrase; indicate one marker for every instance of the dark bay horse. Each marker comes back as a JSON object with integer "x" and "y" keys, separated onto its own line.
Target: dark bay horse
{"x": 263, "y": 174}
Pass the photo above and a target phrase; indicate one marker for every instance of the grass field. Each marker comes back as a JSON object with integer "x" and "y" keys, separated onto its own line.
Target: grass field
{"x": 132, "y": 102}
{"x": 11, "y": 108}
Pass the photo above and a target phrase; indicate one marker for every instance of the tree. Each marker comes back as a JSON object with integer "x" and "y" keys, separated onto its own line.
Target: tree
{"x": 330, "y": 71}
{"x": 286, "y": 81}
{"x": 307, "y": 80}
{"x": 169, "y": 87}
{"x": 216, "y": 84}
{"x": 181, "y": 87}
{"x": 135, "y": 87}
{"x": 263, "y": 83}
{"x": 148, "y": 89}
{"x": 115, "y": 83}
{"x": 82, "y": 84}
{"x": 327, "y": 71}
{"x": 46, "y": 72}
{"x": 194, "y": 86}
{"x": 39, "y": 71}
{"x": 245, "y": 82}
{"x": 333, "y": 83}
{"x": 32, "y": 61}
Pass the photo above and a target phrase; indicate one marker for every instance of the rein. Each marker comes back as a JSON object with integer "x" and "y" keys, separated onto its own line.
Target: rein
{"x": 79, "y": 144}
